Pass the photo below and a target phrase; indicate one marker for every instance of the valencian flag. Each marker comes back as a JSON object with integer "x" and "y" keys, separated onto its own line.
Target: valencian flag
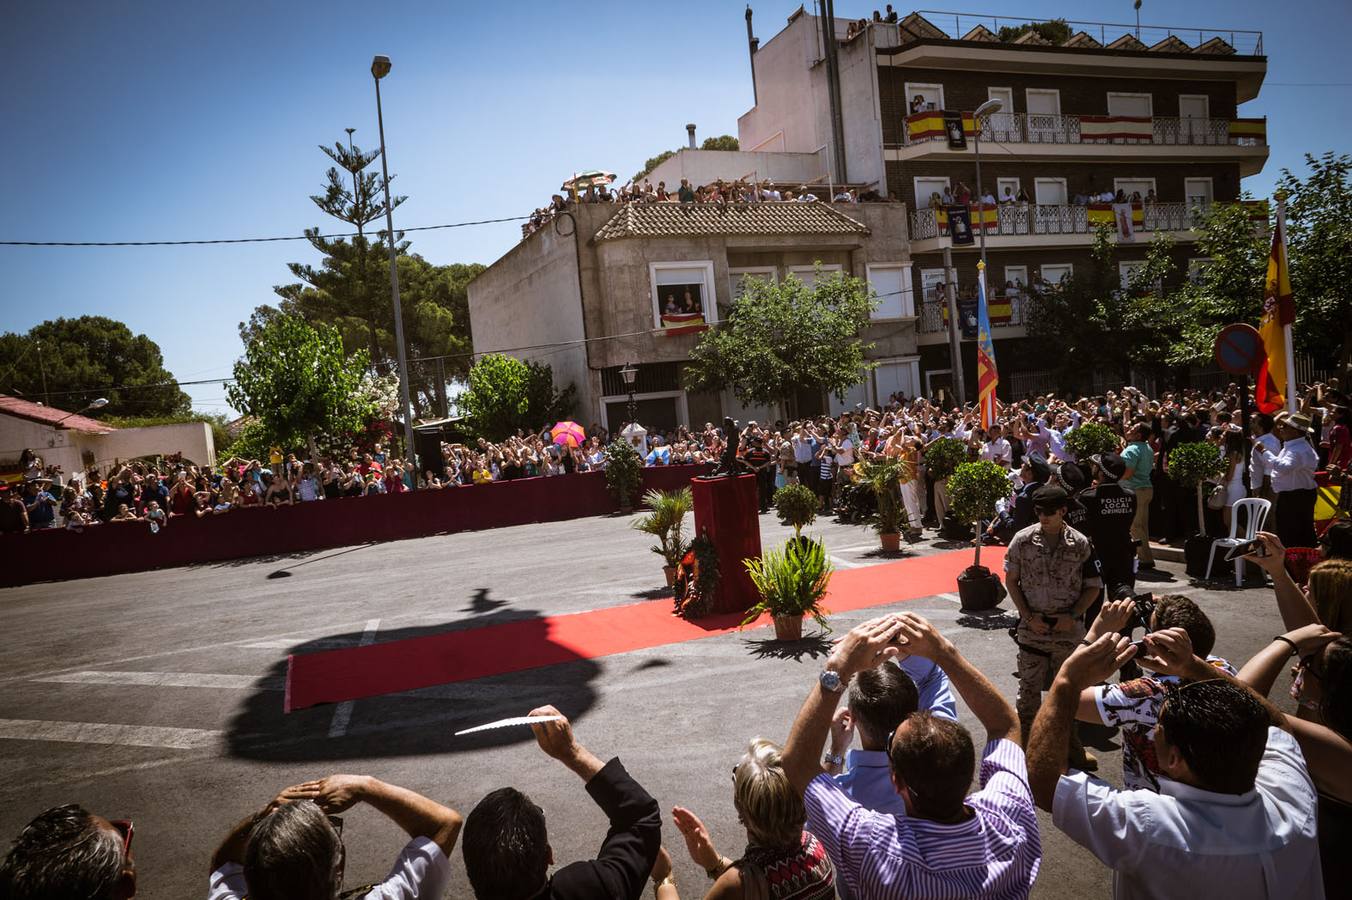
{"x": 1279, "y": 311}
{"x": 987, "y": 377}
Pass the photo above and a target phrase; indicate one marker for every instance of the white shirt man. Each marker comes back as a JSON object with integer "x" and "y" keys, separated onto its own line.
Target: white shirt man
{"x": 845, "y": 453}
{"x": 1293, "y": 466}
{"x": 1258, "y": 462}
{"x": 997, "y": 450}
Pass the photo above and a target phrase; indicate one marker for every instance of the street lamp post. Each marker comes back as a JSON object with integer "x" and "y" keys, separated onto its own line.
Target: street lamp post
{"x": 380, "y": 67}
{"x": 97, "y": 404}
{"x": 990, "y": 106}
{"x": 629, "y": 373}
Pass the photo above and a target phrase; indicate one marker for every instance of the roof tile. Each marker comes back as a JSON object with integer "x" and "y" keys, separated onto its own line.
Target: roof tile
{"x": 656, "y": 220}
{"x": 50, "y": 415}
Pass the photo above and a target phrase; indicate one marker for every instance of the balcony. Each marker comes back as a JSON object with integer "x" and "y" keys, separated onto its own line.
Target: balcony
{"x": 1005, "y": 310}
{"x": 1092, "y": 138}
{"x": 1035, "y": 221}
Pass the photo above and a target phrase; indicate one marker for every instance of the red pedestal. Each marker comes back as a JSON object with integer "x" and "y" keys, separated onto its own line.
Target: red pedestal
{"x": 727, "y": 510}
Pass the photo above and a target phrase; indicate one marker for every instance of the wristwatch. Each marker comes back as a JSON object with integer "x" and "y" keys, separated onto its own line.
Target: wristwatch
{"x": 831, "y": 681}
{"x": 832, "y": 759}
{"x": 658, "y": 885}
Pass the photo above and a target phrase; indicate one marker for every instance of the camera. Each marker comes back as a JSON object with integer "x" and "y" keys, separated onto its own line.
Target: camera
{"x": 1145, "y": 609}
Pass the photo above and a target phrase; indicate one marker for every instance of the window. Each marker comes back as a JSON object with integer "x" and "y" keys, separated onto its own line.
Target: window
{"x": 682, "y": 293}
{"x": 1006, "y": 189}
{"x": 925, "y": 187}
{"x": 1043, "y": 101}
{"x": 892, "y": 284}
{"x": 808, "y": 274}
{"x": 1002, "y": 122}
{"x": 1197, "y": 192}
{"x": 1054, "y": 273}
{"x": 897, "y": 376}
{"x": 932, "y": 286}
{"x": 1194, "y": 111}
{"x": 1016, "y": 279}
{"x": 1044, "y": 115}
{"x": 923, "y": 97}
{"x": 1121, "y": 104}
{"x": 1130, "y": 186}
{"x": 737, "y": 278}
{"x": 1050, "y": 191}
{"x": 1004, "y": 95}
{"x": 1125, "y": 271}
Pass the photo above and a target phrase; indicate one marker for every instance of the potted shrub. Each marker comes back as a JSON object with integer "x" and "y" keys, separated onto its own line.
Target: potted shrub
{"x": 1190, "y": 465}
{"x": 1091, "y": 438}
{"x": 791, "y": 583}
{"x": 624, "y": 474}
{"x": 883, "y": 476}
{"x": 796, "y": 505}
{"x": 974, "y": 489}
{"x": 664, "y": 521}
{"x": 941, "y": 458}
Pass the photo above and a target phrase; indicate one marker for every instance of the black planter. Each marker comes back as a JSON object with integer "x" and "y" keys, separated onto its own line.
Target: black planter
{"x": 953, "y": 530}
{"x": 1195, "y": 551}
{"x": 980, "y": 589}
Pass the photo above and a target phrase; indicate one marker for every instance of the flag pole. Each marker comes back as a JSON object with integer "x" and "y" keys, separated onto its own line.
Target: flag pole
{"x": 1287, "y": 329}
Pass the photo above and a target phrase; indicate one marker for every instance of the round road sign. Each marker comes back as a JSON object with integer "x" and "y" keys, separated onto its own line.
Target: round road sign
{"x": 1239, "y": 349}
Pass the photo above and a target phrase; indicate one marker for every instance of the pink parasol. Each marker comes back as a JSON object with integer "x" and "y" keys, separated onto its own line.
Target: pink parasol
{"x": 568, "y": 434}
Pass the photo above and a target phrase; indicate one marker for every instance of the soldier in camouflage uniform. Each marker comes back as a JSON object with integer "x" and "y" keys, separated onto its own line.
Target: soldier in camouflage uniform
{"x": 1052, "y": 578}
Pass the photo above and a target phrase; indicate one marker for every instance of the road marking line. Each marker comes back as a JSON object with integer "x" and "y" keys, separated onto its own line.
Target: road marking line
{"x": 845, "y": 563}
{"x": 102, "y": 733}
{"x": 168, "y": 679}
{"x": 335, "y": 644}
{"x": 342, "y": 716}
{"x": 952, "y": 598}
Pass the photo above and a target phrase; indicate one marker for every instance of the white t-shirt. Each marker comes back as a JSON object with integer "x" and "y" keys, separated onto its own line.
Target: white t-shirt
{"x": 422, "y": 872}
{"x": 846, "y": 455}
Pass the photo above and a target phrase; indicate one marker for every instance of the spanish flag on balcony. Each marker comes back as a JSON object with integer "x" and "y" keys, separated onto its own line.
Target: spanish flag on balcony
{"x": 986, "y": 375}
{"x": 1272, "y": 390}
{"x": 682, "y": 323}
{"x": 924, "y": 126}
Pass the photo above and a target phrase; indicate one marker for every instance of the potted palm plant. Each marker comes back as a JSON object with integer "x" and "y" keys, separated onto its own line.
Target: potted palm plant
{"x": 791, "y": 583}
{"x": 796, "y": 506}
{"x": 624, "y": 474}
{"x": 665, "y": 521}
{"x": 941, "y": 458}
{"x": 974, "y": 489}
{"x": 1190, "y": 465}
{"x": 884, "y": 476}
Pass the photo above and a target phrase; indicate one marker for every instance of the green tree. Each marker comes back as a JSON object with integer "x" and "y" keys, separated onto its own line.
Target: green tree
{"x": 350, "y": 288}
{"x": 783, "y": 336}
{"x": 69, "y": 363}
{"x": 721, "y": 142}
{"x": 506, "y": 395}
{"x": 1319, "y": 241}
{"x": 652, "y": 163}
{"x": 298, "y": 383}
{"x": 1057, "y": 31}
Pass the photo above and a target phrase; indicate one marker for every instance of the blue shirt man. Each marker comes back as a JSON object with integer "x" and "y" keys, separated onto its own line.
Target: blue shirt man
{"x": 41, "y": 508}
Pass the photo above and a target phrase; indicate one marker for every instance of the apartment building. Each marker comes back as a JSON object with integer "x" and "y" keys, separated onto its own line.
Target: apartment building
{"x": 1096, "y": 114}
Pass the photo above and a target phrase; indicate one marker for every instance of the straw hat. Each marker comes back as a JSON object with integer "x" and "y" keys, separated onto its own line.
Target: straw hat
{"x": 1298, "y": 421}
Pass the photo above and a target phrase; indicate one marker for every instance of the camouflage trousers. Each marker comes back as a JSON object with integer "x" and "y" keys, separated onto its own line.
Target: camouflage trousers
{"x": 1040, "y": 657}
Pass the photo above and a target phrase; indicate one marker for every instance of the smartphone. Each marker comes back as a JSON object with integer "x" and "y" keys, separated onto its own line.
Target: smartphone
{"x": 1141, "y": 648}
{"x": 1255, "y": 546}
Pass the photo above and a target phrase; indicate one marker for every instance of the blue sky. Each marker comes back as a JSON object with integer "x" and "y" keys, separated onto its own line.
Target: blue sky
{"x": 150, "y": 120}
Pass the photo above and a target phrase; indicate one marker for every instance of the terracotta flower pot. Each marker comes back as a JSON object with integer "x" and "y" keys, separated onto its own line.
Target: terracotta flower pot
{"x": 788, "y": 628}
{"x": 891, "y": 541}
{"x": 670, "y": 572}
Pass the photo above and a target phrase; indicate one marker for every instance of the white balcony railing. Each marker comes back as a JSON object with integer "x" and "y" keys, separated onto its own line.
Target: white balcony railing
{"x": 1006, "y": 310}
{"x": 1038, "y": 219}
{"x": 1038, "y": 128}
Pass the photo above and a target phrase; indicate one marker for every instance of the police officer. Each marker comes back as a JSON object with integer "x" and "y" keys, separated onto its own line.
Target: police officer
{"x": 1111, "y": 508}
{"x": 1051, "y": 586}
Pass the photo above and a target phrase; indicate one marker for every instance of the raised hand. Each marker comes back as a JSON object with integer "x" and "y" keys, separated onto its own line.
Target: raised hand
{"x": 334, "y": 794}
{"x": 697, "y": 840}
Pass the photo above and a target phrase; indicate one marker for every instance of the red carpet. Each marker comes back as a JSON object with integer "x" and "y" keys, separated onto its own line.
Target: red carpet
{"x": 405, "y": 665}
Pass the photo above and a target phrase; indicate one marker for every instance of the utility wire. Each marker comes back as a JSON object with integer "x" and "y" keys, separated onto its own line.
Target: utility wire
{"x": 262, "y": 240}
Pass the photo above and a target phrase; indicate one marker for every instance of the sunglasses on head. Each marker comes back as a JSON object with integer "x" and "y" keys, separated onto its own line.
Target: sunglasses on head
{"x": 124, "y": 828}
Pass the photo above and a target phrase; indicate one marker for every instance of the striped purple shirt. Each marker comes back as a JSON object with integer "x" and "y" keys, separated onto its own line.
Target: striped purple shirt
{"x": 994, "y": 854}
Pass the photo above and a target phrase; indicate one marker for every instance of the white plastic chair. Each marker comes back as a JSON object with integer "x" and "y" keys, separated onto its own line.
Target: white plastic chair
{"x": 1255, "y": 511}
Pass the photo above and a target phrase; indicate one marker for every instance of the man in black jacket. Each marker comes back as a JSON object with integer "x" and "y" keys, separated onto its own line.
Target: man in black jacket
{"x": 506, "y": 846}
{"x": 1111, "y": 509}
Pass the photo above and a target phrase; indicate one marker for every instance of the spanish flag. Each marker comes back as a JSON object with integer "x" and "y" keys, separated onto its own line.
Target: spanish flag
{"x": 1279, "y": 311}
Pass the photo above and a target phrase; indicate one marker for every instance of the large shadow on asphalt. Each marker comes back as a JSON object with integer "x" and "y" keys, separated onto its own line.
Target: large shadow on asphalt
{"x": 420, "y": 721}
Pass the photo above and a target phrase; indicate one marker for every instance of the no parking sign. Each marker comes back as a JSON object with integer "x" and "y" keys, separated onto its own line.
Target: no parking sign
{"x": 1239, "y": 350}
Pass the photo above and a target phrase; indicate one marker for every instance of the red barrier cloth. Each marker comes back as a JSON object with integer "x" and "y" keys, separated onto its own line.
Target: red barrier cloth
{"x": 727, "y": 510}
{"x": 355, "y": 672}
{"x": 118, "y": 547}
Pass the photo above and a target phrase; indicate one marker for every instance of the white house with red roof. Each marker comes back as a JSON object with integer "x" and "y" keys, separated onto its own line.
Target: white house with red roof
{"x": 76, "y": 442}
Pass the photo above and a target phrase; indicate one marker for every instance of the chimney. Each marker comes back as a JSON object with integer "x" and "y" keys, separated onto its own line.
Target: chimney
{"x": 690, "y": 132}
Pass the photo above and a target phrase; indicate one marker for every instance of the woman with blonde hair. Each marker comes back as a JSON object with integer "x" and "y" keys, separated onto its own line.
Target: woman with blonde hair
{"x": 781, "y": 861}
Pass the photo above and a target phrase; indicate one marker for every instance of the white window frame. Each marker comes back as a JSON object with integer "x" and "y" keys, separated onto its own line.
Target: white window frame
{"x": 1037, "y": 193}
{"x": 1069, "y": 267}
{"x": 681, "y": 397}
{"x": 990, "y": 95}
{"x": 1055, "y": 92}
{"x": 748, "y": 270}
{"x": 710, "y": 299}
{"x": 1009, "y": 270}
{"x": 1000, "y": 188}
{"x": 1117, "y": 182}
{"x": 926, "y": 286}
{"x": 1125, "y": 268}
{"x": 922, "y": 200}
{"x": 910, "y": 94}
{"x": 800, "y": 271}
{"x": 1210, "y": 190}
{"x": 930, "y": 392}
{"x": 1206, "y": 101}
{"x": 912, "y": 360}
{"x": 1149, "y": 101}
{"x": 907, "y": 295}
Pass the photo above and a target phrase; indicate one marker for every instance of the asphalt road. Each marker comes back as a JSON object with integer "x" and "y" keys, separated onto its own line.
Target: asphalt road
{"x": 157, "y": 696}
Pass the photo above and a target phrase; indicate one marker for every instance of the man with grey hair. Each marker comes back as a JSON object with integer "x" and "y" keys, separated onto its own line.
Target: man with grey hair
{"x": 293, "y": 849}
{"x": 68, "y": 851}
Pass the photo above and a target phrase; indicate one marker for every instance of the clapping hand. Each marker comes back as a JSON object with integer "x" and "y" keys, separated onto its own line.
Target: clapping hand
{"x": 697, "y": 840}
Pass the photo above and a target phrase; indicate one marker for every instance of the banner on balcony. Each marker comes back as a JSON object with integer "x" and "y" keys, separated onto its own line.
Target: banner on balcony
{"x": 960, "y": 226}
{"x": 1255, "y": 129}
{"x": 682, "y": 323}
{"x": 931, "y": 125}
{"x": 987, "y": 217}
{"x": 1106, "y": 214}
{"x": 957, "y": 138}
{"x": 1123, "y": 216}
{"x": 1104, "y": 129}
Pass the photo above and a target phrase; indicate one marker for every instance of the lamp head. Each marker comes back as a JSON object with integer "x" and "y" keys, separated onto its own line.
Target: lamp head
{"x": 380, "y": 67}
{"x": 993, "y": 105}
{"x": 628, "y": 373}
{"x": 99, "y": 403}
